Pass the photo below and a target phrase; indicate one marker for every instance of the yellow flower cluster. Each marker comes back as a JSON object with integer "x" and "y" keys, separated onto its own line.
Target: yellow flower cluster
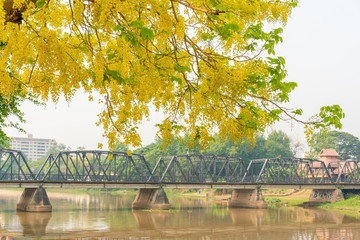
{"x": 190, "y": 59}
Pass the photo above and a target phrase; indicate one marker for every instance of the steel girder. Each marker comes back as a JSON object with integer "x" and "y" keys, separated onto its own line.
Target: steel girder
{"x": 94, "y": 166}
{"x": 345, "y": 172}
{"x": 13, "y": 166}
{"x": 198, "y": 169}
{"x": 287, "y": 171}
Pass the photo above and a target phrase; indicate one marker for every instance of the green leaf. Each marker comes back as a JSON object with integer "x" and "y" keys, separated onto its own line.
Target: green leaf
{"x": 233, "y": 27}
{"x": 119, "y": 28}
{"x": 207, "y": 36}
{"x": 137, "y": 24}
{"x": 40, "y": 3}
{"x": 181, "y": 69}
{"x": 110, "y": 54}
{"x": 331, "y": 116}
{"x": 176, "y": 79}
{"x": 3, "y": 45}
{"x": 147, "y": 33}
{"x": 114, "y": 75}
{"x": 108, "y": 74}
{"x": 130, "y": 37}
{"x": 298, "y": 111}
{"x": 31, "y": 61}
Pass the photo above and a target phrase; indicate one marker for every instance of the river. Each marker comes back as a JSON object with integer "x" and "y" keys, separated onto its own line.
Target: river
{"x": 102, "y": 215}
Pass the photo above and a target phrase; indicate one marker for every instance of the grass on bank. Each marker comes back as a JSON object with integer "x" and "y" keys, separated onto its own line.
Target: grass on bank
{"x": 285, "y": 201}
{"x": 294, "y": 199}
{"x": 349, "y": 206}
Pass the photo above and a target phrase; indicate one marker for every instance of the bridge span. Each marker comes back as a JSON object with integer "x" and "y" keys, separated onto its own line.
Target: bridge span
{"x": 105, "y": 169}
{"x": 138, "y": 185}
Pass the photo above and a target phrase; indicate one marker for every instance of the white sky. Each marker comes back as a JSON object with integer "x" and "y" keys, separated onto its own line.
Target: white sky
{"x": 321, "y": 48}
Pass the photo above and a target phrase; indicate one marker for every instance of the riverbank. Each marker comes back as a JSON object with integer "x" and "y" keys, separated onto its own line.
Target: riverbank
{"x": 295, "y": 198}
{"x": 350, "y": 206}
{"x": 285, "y": 198}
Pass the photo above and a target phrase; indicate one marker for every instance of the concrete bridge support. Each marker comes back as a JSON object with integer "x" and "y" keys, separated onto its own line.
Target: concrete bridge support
{"x": 247, "y": 198}
{"x": 151, "y": 198}
{"x": 326, "y": 195}
{"x": 34, "y": 200}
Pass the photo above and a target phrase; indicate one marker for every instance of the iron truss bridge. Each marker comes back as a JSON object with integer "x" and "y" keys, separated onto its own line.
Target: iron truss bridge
{"x": 105, "y": 168}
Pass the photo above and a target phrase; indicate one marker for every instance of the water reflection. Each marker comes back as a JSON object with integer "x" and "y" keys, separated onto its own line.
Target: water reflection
{"x": 150, "y": 220}
{"x": 106, "y": 216}
{"x": 34, "y": 223}
{"x": 254, "y": 217}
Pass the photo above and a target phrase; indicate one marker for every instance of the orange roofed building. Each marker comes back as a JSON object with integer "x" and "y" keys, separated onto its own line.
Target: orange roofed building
{"x": 330, "y": 159}
{"x": 329, "y": 156}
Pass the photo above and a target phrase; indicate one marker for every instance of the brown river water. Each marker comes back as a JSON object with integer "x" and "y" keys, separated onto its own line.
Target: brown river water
{"x": 102, "y": 215}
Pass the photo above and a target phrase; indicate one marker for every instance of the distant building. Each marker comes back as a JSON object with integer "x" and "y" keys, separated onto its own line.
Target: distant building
{"x": 329, "y": 156}
{"x": 33, "y": 148}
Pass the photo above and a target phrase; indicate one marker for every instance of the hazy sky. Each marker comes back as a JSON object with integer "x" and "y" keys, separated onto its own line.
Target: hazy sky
{"x": 321, "y": 48}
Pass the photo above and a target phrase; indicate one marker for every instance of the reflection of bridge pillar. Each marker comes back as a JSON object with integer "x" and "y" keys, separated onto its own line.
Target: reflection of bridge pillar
{"x": 34, "y": 200}
{"x": 247, "y": 217}
{"x": 34, "y": 223}
{"x": 150, "y": 220}
{"x": 326, "y": 195}
{"x": 247, "y": 198}
{"x": 151, "y": 198}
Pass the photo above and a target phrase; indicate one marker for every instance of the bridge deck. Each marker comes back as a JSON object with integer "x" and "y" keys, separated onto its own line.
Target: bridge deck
{"x": 135, "y": 185}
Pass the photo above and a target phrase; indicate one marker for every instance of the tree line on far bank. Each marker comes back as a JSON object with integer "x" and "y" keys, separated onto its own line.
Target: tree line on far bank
{"x": 276, "y": 145}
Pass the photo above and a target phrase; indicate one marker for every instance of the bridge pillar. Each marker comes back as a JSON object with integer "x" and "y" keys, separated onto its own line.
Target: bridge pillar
{"x": 34, "y": 200}
{"x": 326, "y": 195}
{"x": 151, "y": 198}
{"x": 247, "y": 198}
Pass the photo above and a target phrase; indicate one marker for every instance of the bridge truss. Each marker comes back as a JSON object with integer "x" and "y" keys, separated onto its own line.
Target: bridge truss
{"x": 287, "y": 170}
{"x": 198, "y": 168}
{"x": 13, "y": 166}
{"x": 94, "y": 166}
{"x": 119, "y": 167}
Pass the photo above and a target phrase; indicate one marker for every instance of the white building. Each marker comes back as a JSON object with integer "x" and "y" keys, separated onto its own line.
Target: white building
{"x": 32, "y": 148}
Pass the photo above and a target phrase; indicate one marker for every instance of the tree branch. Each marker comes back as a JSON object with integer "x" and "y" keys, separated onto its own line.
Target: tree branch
{"x": 217, "y": 12}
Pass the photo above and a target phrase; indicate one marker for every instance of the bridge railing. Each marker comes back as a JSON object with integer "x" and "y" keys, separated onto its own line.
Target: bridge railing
{"x": 198, "y": 169}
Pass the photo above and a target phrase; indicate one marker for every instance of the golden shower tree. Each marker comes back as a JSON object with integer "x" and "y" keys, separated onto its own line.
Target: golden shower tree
{"x": 208, "y": 65}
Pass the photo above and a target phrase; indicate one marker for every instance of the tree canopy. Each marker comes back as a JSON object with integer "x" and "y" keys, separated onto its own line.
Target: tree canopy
{"x": 276, "y": 145}
{"x": 346, "y": 144}
{"x": 210, "y": 65}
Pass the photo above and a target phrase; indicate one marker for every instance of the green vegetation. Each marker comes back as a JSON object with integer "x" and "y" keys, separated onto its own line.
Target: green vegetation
{"x": 9, "y": 108}
{"x": 273, "y": 200}
{"x": 347, "y": 145}
{"x": 350, "y": 204}
{"x": 277, "y": 144}
{"x": 285, "y": 201}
